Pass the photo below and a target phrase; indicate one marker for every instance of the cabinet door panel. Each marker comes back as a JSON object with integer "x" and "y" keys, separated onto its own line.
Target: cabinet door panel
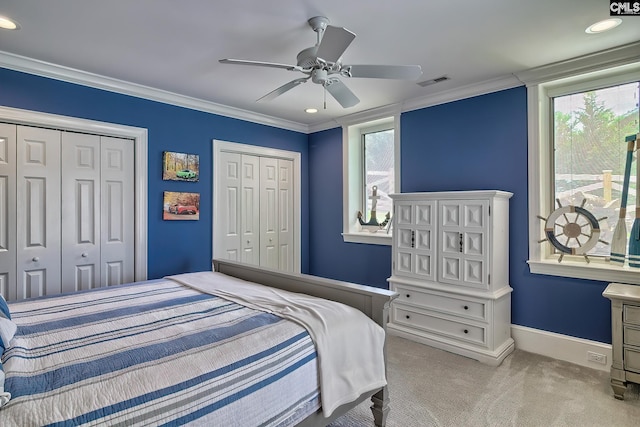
{"x": 463, "y": 241}
{"x": 414, "y": 247}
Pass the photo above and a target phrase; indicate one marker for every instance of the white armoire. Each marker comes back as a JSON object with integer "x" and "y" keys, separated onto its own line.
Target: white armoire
{"x": 255, "y": 211}
{"x": 66, "y": 200}
{"x": 450, "y": 268}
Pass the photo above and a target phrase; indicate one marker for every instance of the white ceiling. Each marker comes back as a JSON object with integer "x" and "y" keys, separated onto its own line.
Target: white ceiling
{"x": 175, "y": 45}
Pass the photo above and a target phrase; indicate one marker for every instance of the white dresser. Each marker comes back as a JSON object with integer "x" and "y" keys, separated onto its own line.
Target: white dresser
{"x": 451, "y": 271}
{"x": 625, "y": 335}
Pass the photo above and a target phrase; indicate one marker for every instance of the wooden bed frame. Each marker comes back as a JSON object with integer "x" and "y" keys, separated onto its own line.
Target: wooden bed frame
{"x": 373, "y": 302}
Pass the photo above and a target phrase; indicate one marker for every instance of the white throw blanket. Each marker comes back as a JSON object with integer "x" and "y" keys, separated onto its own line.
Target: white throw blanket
{"x": 349, "y": 344}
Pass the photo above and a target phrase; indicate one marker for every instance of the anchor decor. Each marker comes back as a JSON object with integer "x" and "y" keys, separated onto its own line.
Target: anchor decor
{"x": 373, "y": 225}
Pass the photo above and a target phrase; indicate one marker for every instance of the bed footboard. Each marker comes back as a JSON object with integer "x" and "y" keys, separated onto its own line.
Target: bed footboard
{"x": 373, "y": 302}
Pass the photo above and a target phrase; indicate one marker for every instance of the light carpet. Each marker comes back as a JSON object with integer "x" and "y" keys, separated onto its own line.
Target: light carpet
{"x": 431, "y": 387}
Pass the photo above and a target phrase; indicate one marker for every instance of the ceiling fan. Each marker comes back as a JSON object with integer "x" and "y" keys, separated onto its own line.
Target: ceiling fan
{"x": 322, "y": 64}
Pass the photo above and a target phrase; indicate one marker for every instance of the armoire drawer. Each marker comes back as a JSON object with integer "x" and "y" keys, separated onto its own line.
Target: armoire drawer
{"x": 447, "y": 304}
{"x": 631, "y": 336}
{"x": 632, "y": 359}
{"x": 631, "y": 314}
{"x": 431, "y": 323}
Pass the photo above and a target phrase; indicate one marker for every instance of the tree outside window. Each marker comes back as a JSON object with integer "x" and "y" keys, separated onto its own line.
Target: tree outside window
{"x": 590, "y": 151}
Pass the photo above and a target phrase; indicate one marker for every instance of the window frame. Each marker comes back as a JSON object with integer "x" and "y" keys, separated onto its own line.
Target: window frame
{"x": 605, "y": 68}
{"x": 353, "y": 171}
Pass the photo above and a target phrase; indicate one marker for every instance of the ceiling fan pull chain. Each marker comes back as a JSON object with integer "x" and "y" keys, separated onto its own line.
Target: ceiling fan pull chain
{"x": 324, "y": 92}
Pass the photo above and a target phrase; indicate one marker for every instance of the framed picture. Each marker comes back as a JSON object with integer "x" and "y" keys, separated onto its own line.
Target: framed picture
{"x": 180, "y": 166}
{"x": 179, "y": 206}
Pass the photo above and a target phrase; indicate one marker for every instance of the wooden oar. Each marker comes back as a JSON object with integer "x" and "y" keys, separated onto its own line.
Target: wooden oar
{"x": 619, "y": 240}
{"x": 634, "y": 239}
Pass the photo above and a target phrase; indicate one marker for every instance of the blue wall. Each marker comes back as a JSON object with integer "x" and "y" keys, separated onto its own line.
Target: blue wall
{"x": 476, "y": 143}
{"x": 173, "y": 246}
{"x": 472, "y": 144}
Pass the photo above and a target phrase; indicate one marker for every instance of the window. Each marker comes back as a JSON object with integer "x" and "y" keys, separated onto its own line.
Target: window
{"x": 589, "y": 130}
{"x": 377, "y": 149}
{"x": 371, "y": 158}
{"x": 579, "y": 114}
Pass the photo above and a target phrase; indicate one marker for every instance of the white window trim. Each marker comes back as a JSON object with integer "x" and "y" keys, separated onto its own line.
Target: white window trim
{"x": 542, "y": 83}
{"x": 352, "y": 172}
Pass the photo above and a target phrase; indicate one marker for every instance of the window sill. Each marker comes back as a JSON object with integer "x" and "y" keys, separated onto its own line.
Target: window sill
{"x": 379, "y": 238}
{"x": 581, "y": 270}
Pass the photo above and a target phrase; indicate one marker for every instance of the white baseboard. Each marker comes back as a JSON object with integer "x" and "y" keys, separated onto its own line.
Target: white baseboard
{"x": 561, "y": 347}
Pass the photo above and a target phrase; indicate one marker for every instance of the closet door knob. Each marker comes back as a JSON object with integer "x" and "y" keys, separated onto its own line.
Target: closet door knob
{"x": 84, "y": 255}
{"x": 35, "y": 259}
{"x": 466, "y": 331}
{"x": 466, "y": 307}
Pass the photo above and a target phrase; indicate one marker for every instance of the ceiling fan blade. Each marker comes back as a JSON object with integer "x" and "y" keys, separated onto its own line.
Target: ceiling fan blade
{"x": 341, "y": 93}
{"x": 260, "y": 64}
{"x": 282, "y": 89}
{"x": 406, "y": 72}
{"x": 335, "y": 41}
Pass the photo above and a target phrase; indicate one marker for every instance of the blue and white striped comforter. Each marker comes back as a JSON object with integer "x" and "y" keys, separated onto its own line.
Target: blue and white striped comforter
{"x": 156, "y": 353}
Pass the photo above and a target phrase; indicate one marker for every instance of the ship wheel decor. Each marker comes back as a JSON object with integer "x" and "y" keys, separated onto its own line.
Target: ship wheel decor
{"x": 572, "y": 230}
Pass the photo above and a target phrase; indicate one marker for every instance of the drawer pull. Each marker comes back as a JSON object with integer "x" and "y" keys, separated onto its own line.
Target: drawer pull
{"x": 466, "y": 307}
{"x": 408, "y": 295}
{"x": 408, "y": 317}
{"x": 466, "y": 331}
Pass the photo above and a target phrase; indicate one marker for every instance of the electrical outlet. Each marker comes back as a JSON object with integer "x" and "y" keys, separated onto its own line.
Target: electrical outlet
{"x": 596, "y": 357}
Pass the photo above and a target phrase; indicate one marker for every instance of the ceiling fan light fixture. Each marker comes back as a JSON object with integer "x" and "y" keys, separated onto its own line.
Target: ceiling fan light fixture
{"x": 604, "y": 25}
{"x": 8, "y": 24}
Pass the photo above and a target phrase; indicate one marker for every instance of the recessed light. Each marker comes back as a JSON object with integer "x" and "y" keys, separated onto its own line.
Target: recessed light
{"x": 602, "y": 26}
{"x": 8, "y": 24}
{"x": 311, "y": 110}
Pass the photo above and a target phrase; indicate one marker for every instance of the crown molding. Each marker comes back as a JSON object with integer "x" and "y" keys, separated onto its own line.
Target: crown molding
{"x": 463, "y": 92}
{"x": 71, "y": 75}
{"x": 605, "y": 59}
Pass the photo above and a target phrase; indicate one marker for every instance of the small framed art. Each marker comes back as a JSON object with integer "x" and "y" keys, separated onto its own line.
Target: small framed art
{"x": 180, "y": 166}
{"x": 178, "y": 206}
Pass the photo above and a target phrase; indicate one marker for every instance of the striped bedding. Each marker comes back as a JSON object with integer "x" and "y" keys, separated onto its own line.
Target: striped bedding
{"x": 155, "y": 353}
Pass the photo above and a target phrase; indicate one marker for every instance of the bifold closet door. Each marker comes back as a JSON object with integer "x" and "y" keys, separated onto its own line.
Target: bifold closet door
{"x": 117, "y": 211}
{"x": 285, "y": 214}
{"x": 97, "y": 211}
{"x": 80, "y": 211}
{"x": 7, "y": 210}
{"x": 228, "y": 221}
{"x": 38, "y": 222}
{"x": 250, "y": 209}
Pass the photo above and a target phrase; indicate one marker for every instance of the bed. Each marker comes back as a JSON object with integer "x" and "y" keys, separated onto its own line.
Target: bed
{"x": 240, "y": 346}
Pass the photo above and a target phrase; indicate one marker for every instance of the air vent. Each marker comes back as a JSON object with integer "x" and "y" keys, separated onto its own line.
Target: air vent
{"x": 433, "y": 81}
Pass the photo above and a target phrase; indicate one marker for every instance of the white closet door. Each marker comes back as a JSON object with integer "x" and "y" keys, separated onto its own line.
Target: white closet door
{"x": 228, "y": 219}
{"x": 7, "y": 210}
{"x": 285, "y": 214}
{"x": 250, "y": 209}
{"x": 269, "y": 229}
{"x": 117, "y": 230}
{"x": 38, "y": 201}
{"x": 80, "y": 211}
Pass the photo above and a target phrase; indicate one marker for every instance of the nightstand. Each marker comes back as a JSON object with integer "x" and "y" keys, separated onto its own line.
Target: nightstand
{"x": 625, "y": 334}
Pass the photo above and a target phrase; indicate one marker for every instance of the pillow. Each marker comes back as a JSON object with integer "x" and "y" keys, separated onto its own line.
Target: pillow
{"x": 7, "y": 327}
{"x": 4, "y": 395}
{"x": 7, "y": 331}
